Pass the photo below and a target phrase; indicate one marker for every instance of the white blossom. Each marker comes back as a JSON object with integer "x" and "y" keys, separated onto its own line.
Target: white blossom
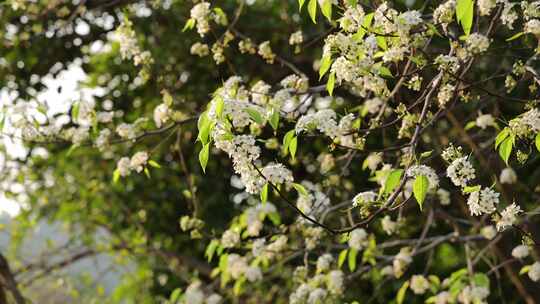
{"x": 123, "y": 166}
{"x": 253, "y": 274}
{"x": 444, "y": 196}
{"x": 460, "y": 171}
{"x": 534, "y": 272}
{"x": 477, "y": 43}
{"x": 489, "y": 232}
{"x": 401, "y": 261}
{"x": 323, "y": 262}
{"x": 161, "y": 115}
{"x": 419, "y": 284}
{"x": 194, "y": 294}
{"x": 201, "y": 14}
{"x": 485, "y": 120}
{"x": 388, "y": 225}
{"x": 296, "y": 38}
{"x": 364, "y": 198}
{"x": 336, "y": 282}
{"x": 230, "y": 238}
{"x": 199, "y": 49}
{"x": 486, "y": 6}
{"x": 483, "y": 201}
{"x": 473, "y": 294}
{"x": 138, "y": 161}
{"x": 358, "y": 238}
{"x": 508, "y": 217}
{"x": 520, "y": 251}
{"x": 317, "y": 296}
{"x": 508, "y": 176}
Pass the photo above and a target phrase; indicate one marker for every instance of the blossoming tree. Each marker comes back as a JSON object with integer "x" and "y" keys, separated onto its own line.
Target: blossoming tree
{"x": 284, "y": 151}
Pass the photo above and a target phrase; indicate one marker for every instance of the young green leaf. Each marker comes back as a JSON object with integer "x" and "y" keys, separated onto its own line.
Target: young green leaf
{"x": 300, "y": 4}
{"x": 300, "y": 189}
{"x": 342, "y": 257}
{"x": 352, "y": 259}
{"x": 154, "y": 164}
{"x": 392, "y": 181}
{"x": 326, "y": 62}
{"x": 312, "y": 10}
{"x": 116, "y": 176}
{"x": 220, "y": 103}
{"x": 293, "y": 146}
{"x": 203, "y": 156}
{"x": 420, "y": 188}
{"x": 327, "y": 9}
{"x": 255, "y": 115}
{"x": 189, "y": 24}
{"x": 505, "y": 148}
{"x": 501, "y": 136}
{"x": 331, "y": 82}
{"x": 471, "y": 189}
{"x": 516, "y": 36}
{"x": 401, "y": 293}
{"x": 287, "y": 141}
{"x": 465, "y": 14}
{"x": 274, "y": 119}
{"x": 537, "y": 142}
{"x": 264, "y": 193}
{"x": 381, "y": 42}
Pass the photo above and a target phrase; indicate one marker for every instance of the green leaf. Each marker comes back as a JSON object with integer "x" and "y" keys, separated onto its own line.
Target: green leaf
{"x": 75, "y": 111}
{"x": 300, "y": 189}
{"x": 300, "y": 4}
{"x": 287, "y": 141}
{"x": 420, "y": 188}
{"x": 326, "y": 62}
{"x": 470, "y": 125}
{"x": 505, "y": 148}
{"x": 292, "y": 146}
{"x": 203, "y": 156}
{"x": 327, "y": 9}
{"x": 481, "y": 279}
{"x": 352, "y": 259}
{"x": 342, "y": 257}
{"x": 274, "y": 218}
{"x": 426, "y": 154}
{"x": 274, "y": 119}
{"x": 516, "y": 36}
{"x": 189, "y": 24}
{"x": 471, "y": 189}
{"x": 255, "y": 115}
{"x": 385, "y": 72}
{"x": 204, "y": 125}
{"x": 401, "y": 292}
{"x": 392, "y": 181}
{"x": 147, "y": 172}
{"x": 220, "y": 103}
{"x": 381, "y": 42}
{"x": 501, "y": 136}
{"x": 154, "y": 164}
{"x": 175, "y": 296}
{"x": 312, "y": 10}
{"x": 524, "y": 269}
{"x": 211, "y": 249}
{"x": 116, "y": 176}
{"x": 465, "y": 14}
{"x": 366, "y": 24}
{"x": 331, "y": 82}
{"x": 537, "y": 142}
{"x": 264, "y": 193}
